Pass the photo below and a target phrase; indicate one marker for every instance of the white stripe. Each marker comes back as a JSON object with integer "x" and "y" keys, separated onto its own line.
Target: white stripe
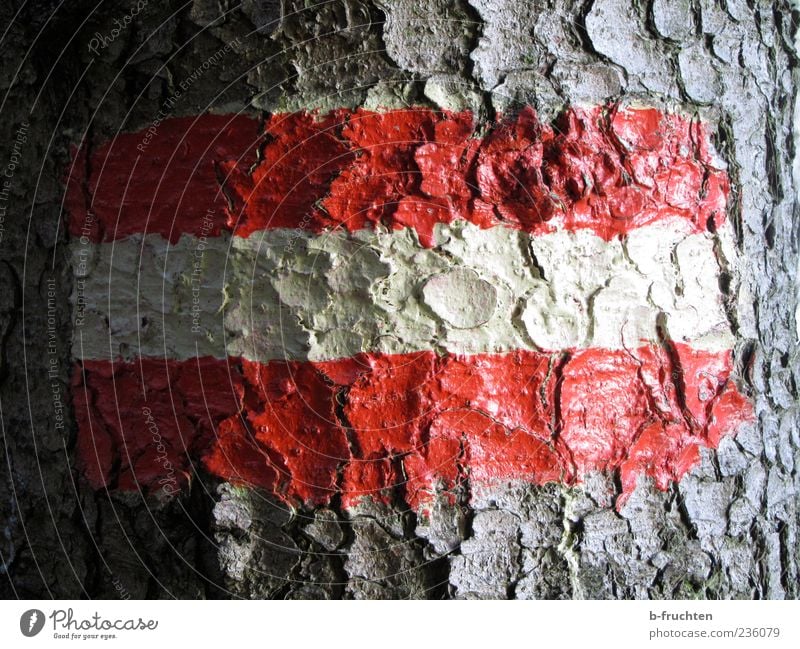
{"x": 292, "y": 294}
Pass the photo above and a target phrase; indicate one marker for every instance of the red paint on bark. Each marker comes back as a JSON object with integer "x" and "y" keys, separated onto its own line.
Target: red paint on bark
{"x": 303, "y": 154}
{"x": 125, "y": 410}
{"x": 608, "y": 169}
{"x": 163, "y": 181}
{"x": 403, "y": 426}
{"x": 286, "y": 437}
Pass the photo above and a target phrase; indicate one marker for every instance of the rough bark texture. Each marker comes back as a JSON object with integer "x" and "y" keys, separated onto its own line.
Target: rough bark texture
{"x": 728, "y": 530}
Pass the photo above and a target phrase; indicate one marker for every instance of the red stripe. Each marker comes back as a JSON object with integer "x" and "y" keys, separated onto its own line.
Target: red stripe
{"x": 606, "y": 169}
{"x": 162, "y": 181}
{"x": 312, "y": 431}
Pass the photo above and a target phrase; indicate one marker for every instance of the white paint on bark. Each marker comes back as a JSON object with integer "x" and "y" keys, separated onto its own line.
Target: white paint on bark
{"x": 297, "y": 295}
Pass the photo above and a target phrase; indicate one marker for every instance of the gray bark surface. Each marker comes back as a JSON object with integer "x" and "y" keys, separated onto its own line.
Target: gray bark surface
{"x": 729, "y": 529}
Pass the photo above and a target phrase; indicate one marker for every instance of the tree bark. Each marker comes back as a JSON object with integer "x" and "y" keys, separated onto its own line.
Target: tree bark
{"x": 727, "y": 530}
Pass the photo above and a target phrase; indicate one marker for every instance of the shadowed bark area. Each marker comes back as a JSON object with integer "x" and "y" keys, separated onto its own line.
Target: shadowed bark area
{"x": 726, "y": 530}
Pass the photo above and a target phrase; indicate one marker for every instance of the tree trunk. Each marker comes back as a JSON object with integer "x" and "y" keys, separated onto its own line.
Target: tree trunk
{"x": 728, "y": 529}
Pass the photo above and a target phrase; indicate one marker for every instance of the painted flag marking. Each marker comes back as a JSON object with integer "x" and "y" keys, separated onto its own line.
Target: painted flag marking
{"x": 392, "y": 305}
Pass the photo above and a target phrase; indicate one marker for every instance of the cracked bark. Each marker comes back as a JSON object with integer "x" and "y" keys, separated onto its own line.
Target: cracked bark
{"x": 729, "y": 529}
